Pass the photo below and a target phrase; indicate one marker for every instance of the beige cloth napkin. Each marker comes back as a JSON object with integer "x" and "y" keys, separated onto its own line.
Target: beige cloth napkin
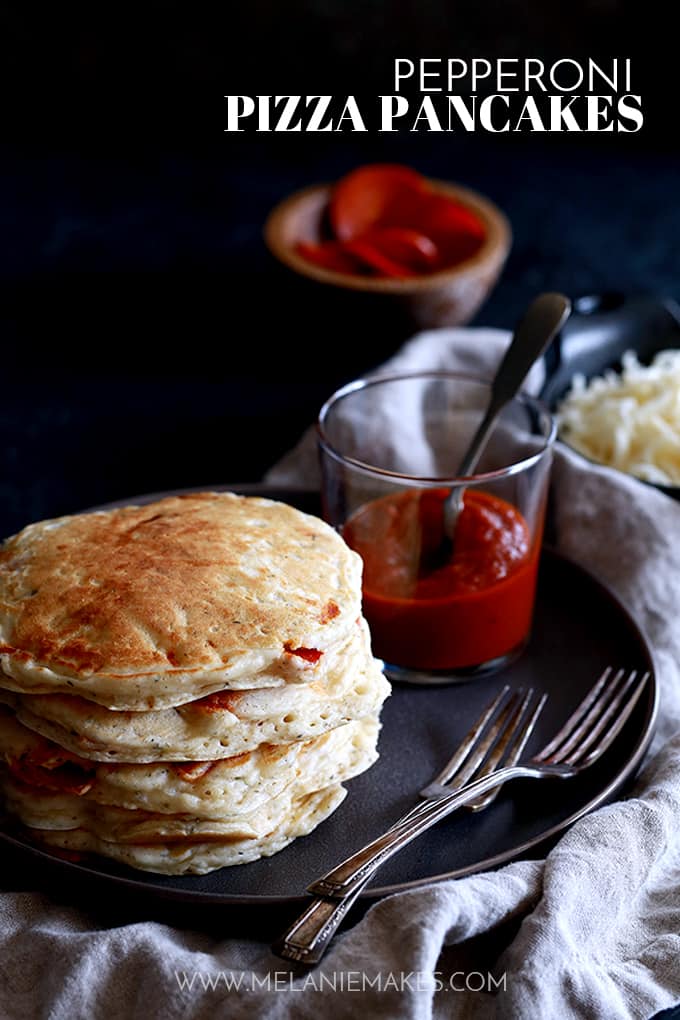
{"x": 596, "y": 929}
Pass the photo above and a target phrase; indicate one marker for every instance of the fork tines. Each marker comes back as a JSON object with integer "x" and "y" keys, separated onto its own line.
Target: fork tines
{"x": 497, "y": 738}
{"x": 598, "y": 719}
{"x": 500, "y": 735}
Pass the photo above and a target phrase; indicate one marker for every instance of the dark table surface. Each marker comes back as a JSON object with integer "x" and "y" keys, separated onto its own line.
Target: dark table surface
{"x": 150, "y": 341}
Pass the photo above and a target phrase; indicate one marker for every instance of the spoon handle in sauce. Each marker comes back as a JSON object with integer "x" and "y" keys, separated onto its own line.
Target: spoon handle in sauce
{"x": 544, "y": 317}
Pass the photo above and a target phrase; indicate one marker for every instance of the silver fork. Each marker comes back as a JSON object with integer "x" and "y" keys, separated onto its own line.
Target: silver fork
{"x": 308, "y": 938}
{"x": 583, "y": 739}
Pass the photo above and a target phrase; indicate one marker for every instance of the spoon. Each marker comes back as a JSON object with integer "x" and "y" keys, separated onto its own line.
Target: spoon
{"x": 544, "y": 317}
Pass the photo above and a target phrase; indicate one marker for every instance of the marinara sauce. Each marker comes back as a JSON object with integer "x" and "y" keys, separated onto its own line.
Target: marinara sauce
{"x": 424, "y": 614}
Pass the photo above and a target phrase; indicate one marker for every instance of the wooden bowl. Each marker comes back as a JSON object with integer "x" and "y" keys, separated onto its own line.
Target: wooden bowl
{"x": 449, "y": 297}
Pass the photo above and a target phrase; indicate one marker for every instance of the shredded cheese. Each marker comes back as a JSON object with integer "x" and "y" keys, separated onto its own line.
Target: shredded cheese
{"x": 630, "y": 421}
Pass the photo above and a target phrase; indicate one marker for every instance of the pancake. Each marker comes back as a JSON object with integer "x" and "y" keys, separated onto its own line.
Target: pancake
{"x": 150, "y": 607}
{"x": 236, "y": 786}
{"x": 45, "y": 809}
{"x": 212, "y": 728}
{"x": 188, "y": 683}
{"x": 196, "y": 857}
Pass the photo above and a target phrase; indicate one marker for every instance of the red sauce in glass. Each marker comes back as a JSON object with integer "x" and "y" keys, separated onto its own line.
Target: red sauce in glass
{"x": 473, "y": 608}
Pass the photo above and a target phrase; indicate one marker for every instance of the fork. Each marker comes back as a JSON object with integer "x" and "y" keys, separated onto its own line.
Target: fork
{"x": 583, "y": 739}
{"x": 308, "y": 938}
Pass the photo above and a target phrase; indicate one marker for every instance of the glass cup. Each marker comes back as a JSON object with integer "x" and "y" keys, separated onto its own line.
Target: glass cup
{"x": 439, "y": 610}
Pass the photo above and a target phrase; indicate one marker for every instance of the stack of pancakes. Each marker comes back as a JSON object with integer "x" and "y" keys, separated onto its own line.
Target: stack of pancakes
{"x": 184, "y": 685}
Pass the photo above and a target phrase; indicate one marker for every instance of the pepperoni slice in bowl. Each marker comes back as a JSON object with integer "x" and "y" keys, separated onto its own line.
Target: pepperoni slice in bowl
{"x": 369, "y": 196}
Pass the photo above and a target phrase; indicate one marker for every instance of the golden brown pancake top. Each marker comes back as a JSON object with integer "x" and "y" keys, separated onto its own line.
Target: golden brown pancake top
{"x": 190, "y": 592}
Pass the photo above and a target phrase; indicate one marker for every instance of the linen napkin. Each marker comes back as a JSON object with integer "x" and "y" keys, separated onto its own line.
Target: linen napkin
{"x": 592, "y": 931}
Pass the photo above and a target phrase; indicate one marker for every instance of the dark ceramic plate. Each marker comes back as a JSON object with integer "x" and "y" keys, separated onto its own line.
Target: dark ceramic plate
{"x": 579, "y": 629}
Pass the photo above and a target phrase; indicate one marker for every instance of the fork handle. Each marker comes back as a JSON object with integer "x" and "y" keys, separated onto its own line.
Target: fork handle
{"x": 356, "y": 870}
{"x": 307, "y": 938}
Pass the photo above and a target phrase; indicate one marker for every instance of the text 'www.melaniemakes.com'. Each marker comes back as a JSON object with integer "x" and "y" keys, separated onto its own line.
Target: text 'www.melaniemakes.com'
{"x": 340, "y": 981}
{"x": 503, "y": 95}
